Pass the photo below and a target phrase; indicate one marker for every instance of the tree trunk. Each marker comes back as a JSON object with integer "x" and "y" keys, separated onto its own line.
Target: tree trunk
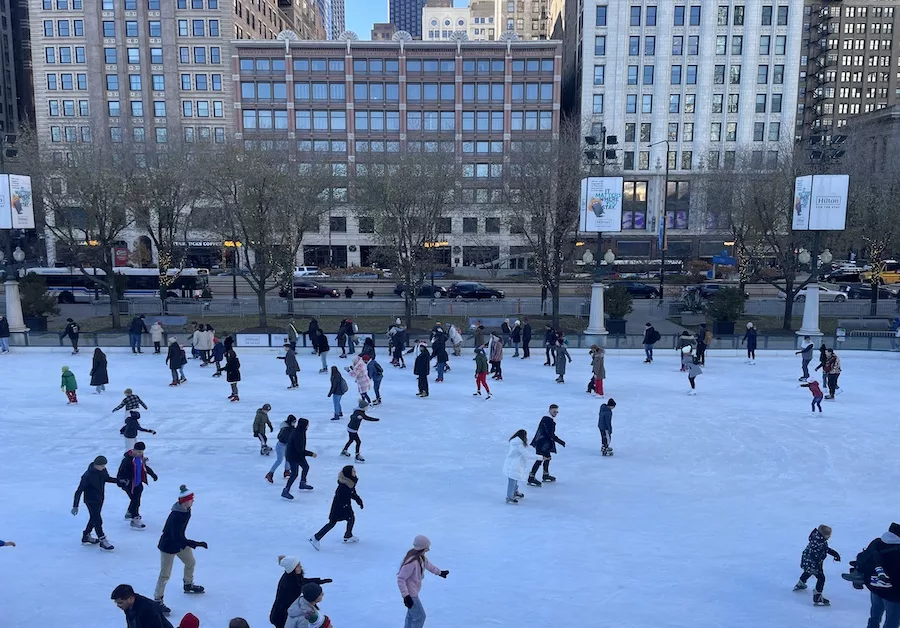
{"x": 788, "y": 304}
{"x": 554, "y": 296}
{"x": 261, "y": 300}
{"x": 407, "y": 306}
{"x": 114, "y": 306}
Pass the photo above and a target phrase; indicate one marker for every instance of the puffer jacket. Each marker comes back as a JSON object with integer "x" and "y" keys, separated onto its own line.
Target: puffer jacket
{"x": 360, "y": 373}
{"x": 303, "y": 614}
{"x": 260, "y": 421}
{"x": 815, "y": 552}
{"x": 598, "y": 364}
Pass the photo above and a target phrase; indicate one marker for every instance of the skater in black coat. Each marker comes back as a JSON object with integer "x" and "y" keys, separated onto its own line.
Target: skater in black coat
{"x": 311, "y": 332}
{"x": 140, "y": 612}
{"x": 526, "y": 340}
{"x": 812, "y": 562}
{"x": 132, "y": 427}
{"x": 291, "y": 367}
{"x": 71, "y": 332}
{"x": 341, "y": 508}
{"x": 175, "y": 359}
{"x": 134, "y": 470}
{"x": 289, "y": 588}
{"x": 296, "y": 454}
{"x": 99, "y": 371}
{"x": 93, "y": 487}
{"x": 368, "y": 348}
{"x": 544, "y": 443}
{"x": 421, "y": 368}
{"x": 550, "y": 338}
{"x": 356, "y": 418}
{"x": 232, "y": 373}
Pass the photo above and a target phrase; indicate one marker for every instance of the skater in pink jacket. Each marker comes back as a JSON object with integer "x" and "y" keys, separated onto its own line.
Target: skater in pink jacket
{"x": 409, "y": 580}
{"x": 359, "y": 371}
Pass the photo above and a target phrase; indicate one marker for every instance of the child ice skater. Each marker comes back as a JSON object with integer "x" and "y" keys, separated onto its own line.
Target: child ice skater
{"x": 356, "y": 419}
{"x": 481, "y": 370}
{"x": 69, "y": 386}
{"x": 341, "y": 508}
{"x": 816, "y": 394}
{"x": 813, "y": 562}
{"x": 260, "y": 422}
{"x": 693, "y": 370}
{"x": 131, "y": 428}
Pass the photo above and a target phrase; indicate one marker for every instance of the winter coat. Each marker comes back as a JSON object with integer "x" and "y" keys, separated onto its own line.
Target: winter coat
{"x": 93, "y": 486}
{"x": 833, "y": 365}
{"x": 550, "y": 337}
{"x": 693, "y": 370}
{"x": 296, "y": 446}
{"x": 284, "y": 432}
{"x": 888, "y": 546}
{"x": 651, "y": 336}
{"x": 685, "y": 341}
{"x": 312, "y": 328}
{"x": 338, "y": 384}
{"x": 4, "y": 328}
{"x": 260, "y": 421}
{"x": 132, "y": 426}
{"x": 562, "y": 354}
{"x": 361, "y": 375}
{"x": 173, "y": 357}
{"x": 497, "y": 350}
{"x": 481, "y": 363}
{"x": 422, "y": 365}
{"x": 291, "y": 367}
{"x": 303, "y": 614}
{"x": 131, "y": 402}
{"x": 409, "y": 578}
{"x": 806, "y": 353}
{"x": 356, "y": 419}
{"x": 517, "y": 334}
{"x": 526, "y": 333}
{"x": 341, "y": 509}
{"x": 518, "y": 460}
{"x": 173, "y": 538}
{"x": 156, "y": 332}
{"x": 545, "y": 439}
{"x": 99, "y": 372}
{"x": 137, "y": 326}
{"x": 504, "y": 328}
{"x": 321, "y": 343}
{"x": 368, "y": 348}
{"x": 455, "y": 337}
{"x": 290, "y": 586}
{"x": 232, "y": 367}
{"x": 815, "y": 389}
{"x": 605, "y": 420}
{"x": 218, "y": 352}
{"x": 145, "y": 613}
{"x": 134, "y": 470}
{"x": 750, "y": 339}
{"x": 200, "y": 341}
{"x": 72, "y": 330}
{"x": 815, "y": 552}
{"x": 440, "y": 353}
{"x": 375, "y": 371}
{"x": 292, "y": 333}
{"x": 400, "y": 338}
{"x": 342, "y": 337}
{"x": 479, "y": 336}
{"x": 598, "y": 365}
{"x": 68, "y": 381}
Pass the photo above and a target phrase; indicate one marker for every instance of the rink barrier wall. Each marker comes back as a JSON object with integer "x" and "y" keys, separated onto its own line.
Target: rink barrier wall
{"x": 725, "y": 345}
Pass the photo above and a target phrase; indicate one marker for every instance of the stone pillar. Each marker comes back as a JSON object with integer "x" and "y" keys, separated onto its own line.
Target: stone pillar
{"x": 596, "y": 325}
{"x": 810, "y": 325}
{"x": 14, "y": 316}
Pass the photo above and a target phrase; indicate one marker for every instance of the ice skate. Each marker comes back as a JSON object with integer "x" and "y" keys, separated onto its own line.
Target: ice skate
{"x": 193, "y": 588}
{"x": 518, "y": 495}
{"x": 315, "y": 543}
{"x": 286, "y": 495}
{"x": 800, "y": 586}
{"x": 819, "y": 600}
{"x": 264, "y": 450}
{"x": 323, "y": 370}
{"x": 512, "y": 500}
{"x": 304, "y": 486}
{"x": 692, "y": 392}
{"x": 488, "y": 397}
{"x": 88, "y": 539}
{"x": 287, "y": 474}
{"x": 548, "y": 478}
{"x": 235, "y": 398}
{"x": 351, "y": 539}
{"x": 377, "y": 402}
{"x": 803, "y": 379}
{"x": 173, "y": 384}
{"x": 609, "y": 451}
{"x": 128, "y": 516}
{"x": 105, "y": 544}
{"x": 162, "y": 607}
{"x": 344, "y": 452}
{"x": 533, "y": 481}
{"x": 270, "y": 477}
{"x": 137, "y": 524}
{"x": 182, "y": 380}
{"x": 476, "y": 394}
{"x": 359, "y": 458}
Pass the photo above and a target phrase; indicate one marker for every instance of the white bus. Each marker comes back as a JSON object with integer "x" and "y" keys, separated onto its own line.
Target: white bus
{"x": 70, "y": 285}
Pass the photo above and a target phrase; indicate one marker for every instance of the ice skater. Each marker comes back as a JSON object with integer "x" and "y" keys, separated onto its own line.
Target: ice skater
{"x": 360, "y": 373}
{"x": 496, "y": 348}
{"x": 320, "y": 344}
{"x": 693, "y": 370}
{"x": 481, "y": 371}
{"x": 304, "y": 612}
{"x": 439, "y": 350}
{"x": 376, "y": 374}
{"x": 131, "y": 428}
{"x": 704, "y": 339}
{"x": 816, "y": 394}
{"x": 156, "y": 336}
{"x": 651, "y": 337}
{"x": 604, "y": 424}
{"x": 291, "y": 367}
{"x": 550, "y": 339}
{"x": 69, "y": 385}
{"x": 130, "y": 402}
{"x": 409, "y": 580}
{"x": 99, "y": 371}
{"x": 833, "y": 369}
{"x": 260, "y": 423}
{"x": 750, "y": 339}
{"x": 812, "y": 562}
{"x": 218, "y": 354}
{"x": 515, "y": 467}
{"x": 341, "y": 508}
{"x": 338, "y": 389}
{"x": 71, "y": 331}
{"x": 232, "y": 373}
{"x": 421, "y": 368}
{"x": 598, "y": 370}
{"x": 174, "y": 542}
{"x": 544, "y": 443}
{"x": 176, "y": 359}
{"x": 136, "y": 330}
{"x": 296, "y": 454}
{"x": 806, "y": 355}
{"x": 516, "y": 337}
{"x": 93, "y": 488}
{"x": 290, "y": 587}
{"x": 132, "y": 476}
{"x": 356, "y": 418}
{"x": 456, "y": 340}
{"x": 561, "y": 354}
{"x": 284, "y": 435}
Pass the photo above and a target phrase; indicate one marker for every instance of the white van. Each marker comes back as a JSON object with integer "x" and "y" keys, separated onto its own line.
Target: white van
{"x": 308, "y": 271}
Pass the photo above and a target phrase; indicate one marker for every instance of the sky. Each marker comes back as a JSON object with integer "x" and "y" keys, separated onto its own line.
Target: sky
{"x": 361, "y": 14}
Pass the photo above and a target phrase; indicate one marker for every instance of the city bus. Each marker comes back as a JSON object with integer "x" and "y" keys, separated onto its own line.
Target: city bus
{"x": 70, "y": 285}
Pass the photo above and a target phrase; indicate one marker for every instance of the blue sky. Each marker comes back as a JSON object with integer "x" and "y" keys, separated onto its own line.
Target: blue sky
{"x": 361, "y": 14}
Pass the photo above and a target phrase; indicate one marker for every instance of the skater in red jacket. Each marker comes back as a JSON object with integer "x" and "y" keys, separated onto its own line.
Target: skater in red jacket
{"x": 816, "y": 393}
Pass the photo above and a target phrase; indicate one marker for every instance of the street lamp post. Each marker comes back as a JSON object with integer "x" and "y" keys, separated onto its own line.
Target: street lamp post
{"x": 810, "y": 325}
{"x": 663, "y": 227}
{"x": 235, "y": 245}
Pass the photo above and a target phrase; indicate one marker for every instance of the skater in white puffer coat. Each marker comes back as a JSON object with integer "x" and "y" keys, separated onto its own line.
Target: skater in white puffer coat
{"x": 359, "y": 371}
{"x": 515, "y": 467}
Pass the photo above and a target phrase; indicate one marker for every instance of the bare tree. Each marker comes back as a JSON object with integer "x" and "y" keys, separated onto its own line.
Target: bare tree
{"x": 405, "y": 198}
{"x": 543, "y": 188}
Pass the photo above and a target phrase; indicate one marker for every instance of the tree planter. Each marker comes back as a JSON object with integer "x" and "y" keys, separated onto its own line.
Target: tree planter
{"x": 616, "y": 327}
{"x": 723, "y": 328}
{"x": 36, "y": 323}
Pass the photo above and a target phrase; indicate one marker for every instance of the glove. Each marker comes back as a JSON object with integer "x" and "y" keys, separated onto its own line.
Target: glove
{"x": 154, "y": 476}
{"x": 202, "y": 544}
{"x": 361, "y": 506}
{"x": 74, "y": 510}
{"x": 153, "y": 432}
{"x": 445, "y": 573}
{"x": 407, "y": 601}
{"x": 327, "y": 580}
{"x": 837, "y": 557}
{"x": 562, "y": 442}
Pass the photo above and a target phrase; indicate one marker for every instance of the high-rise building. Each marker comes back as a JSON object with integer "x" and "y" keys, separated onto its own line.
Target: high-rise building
{"x": 9, "y": 112}
{"x": 383, "y": 31}
{"x": 352, "y": 104}
{"x": 406, "y": 15}
{"x": 528, "y": 19}
{"x": 333, "y": 16}
{"x": 846, "y": 67}
{"x": 684, "y": 88}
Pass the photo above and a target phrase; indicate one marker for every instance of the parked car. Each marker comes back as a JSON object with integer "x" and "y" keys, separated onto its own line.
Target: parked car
{"x": 473, "y": 290}
{"x": 425, "y": 291}
{"x": 825, "y": 295}
{"x": 638, "y": 289}
{"x": 310, "y": 290}
{"x": 708, "y": 290}
{"x": 308, "y": 271}
{"x": 864, "y": 291}
{"x": 842, "y": 275}
{"x": 361, "y": 276}
{"x": 890, "y": 274}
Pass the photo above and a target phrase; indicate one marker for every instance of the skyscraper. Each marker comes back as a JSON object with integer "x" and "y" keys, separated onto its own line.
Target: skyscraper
{"x": 406, "y": 15}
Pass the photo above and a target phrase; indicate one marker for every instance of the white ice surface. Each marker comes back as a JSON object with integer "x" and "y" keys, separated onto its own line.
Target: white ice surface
{"x": 699, "y": 519}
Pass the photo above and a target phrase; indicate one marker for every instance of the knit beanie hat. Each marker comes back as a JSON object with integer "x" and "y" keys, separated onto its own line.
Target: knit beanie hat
{"x": 611, "y": 403}
{"x": 185, "y": 495}
{"x": 366, "y": 358}
{"x": 363, "y": 404}
{"x": 421, "y": 542}
{"x": 316, "y": 619}
{"x": 140, "y": 446}
{"x": 311, "y": 592}
{"x": 288, "y": 563}
{"x": 189, "y": 621}
{"x": 100, "y": 460}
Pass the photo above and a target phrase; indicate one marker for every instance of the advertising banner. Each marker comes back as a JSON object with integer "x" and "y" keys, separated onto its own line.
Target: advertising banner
{"x": 820, "y": 202}
{"x": 601, "y": 204}
{"x": 21, "y": 202}
{"x": 5, "y": 206}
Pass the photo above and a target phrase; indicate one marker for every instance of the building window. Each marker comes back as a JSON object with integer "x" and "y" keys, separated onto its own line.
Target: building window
{"x": 774, "y": 131}
{"x": 759, "y": 130}
{"x": 674, "y": 103}
{"x": 634, "y": 203}
{"x": 470, "y": 225}
{"x": 631, "y": 103}
{"x": 109, "y": 28}
{"x": 113, "y": 109}
{"x": 648, "y": 75}
{"x": 131, "y": 28}
{"x": 767, "y": 16}
{"x": 760, "y": 103}
{"x": 134, "y": 82}
{"x": 675, "y": 75}
{"x": 695, "y": 16}
{"x": 337, "y": 224}
{"x": 599, "y": 74}
{"x": 598, "y": 103}
{"x": 600, "y": 46}
{"x": 734, "y": 75}
{"x": 601, "y": 16}
{"x": 783, "y": 16}
{"x": 647, "y": 103}
{"x": 679, "y": 15}
{"x": 635, "y": 16}
{"x": 162, "y": 135}
{"x": 678, "y": 201}
{"x": 159, "y": 108}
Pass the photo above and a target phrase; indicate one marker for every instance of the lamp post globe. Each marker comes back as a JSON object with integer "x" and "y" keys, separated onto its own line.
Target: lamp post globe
{"x": 609, "y": 257}
{"x": 826, "y": 257}
{"x": 804, "y": 256}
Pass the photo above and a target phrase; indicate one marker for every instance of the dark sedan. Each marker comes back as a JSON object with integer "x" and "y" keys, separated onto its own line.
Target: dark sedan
{"x": 310, "y": 290}
{"x": 864, "y": 291}
{"x": 425, "y": 291}
{"x": 637, "y": 289}
{"x": 473, "y": 290}
{"x": 709, "y": 290}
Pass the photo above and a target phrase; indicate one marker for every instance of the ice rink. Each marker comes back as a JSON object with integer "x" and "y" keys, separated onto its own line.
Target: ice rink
{"x": 698, "y": 521}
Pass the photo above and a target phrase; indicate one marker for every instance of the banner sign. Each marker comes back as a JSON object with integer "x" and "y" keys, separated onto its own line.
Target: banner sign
{"x": 601, "y": 204}
{"x": 820, "y": 202}
{"x": 21, "y": 202}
